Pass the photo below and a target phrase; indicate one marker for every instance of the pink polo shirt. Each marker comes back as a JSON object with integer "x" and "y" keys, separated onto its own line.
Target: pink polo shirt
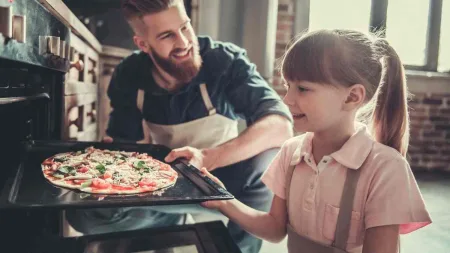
{"x": 386, "y": 194}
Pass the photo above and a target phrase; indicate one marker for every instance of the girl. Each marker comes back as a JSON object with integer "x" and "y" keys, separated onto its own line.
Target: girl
{"x": 343, "y": 186}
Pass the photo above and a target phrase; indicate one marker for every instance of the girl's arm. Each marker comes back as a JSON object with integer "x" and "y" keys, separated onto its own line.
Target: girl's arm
{"x": 267, "y": 226}
{"x": 383, "y": 239}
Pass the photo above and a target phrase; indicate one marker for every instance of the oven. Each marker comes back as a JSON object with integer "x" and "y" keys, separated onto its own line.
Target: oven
{"x": 35, "y": 58}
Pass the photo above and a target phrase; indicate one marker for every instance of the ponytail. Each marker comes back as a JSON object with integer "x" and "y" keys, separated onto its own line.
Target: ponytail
{"x": 390, "y": 119}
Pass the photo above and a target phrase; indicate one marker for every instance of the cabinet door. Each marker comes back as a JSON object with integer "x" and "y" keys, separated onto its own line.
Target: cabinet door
{"x": 83, "y": 74}
{"x": 80, "y": 123}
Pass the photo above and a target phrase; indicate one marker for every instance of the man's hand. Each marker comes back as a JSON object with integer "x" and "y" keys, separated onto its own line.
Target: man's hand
{"x": 196, "y": 157}
{"x": 107, "y": 139}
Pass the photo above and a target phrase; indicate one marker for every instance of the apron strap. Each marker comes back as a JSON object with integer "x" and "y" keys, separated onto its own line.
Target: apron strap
{"x": 207, "y": 100}
{"x": 140, "y": 100}
{"x": 346, "y": 207}
{"x": 140, "y": 105}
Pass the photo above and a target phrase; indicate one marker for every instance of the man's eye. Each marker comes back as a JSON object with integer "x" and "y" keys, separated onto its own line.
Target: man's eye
{"x": 166, "y": 36}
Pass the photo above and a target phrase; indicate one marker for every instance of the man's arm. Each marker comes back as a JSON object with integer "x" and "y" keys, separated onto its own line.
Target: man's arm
{"x": 268, "y": 119}
{"x": 125, "y": 119}
{"x": 268, "y": 132}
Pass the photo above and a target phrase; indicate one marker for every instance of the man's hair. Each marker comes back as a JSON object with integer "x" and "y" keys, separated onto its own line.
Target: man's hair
{"x": 133, "y": 9}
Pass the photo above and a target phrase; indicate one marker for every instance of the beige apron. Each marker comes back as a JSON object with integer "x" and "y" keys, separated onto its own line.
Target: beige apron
{"x": 299, "y": 244}
{"x": 209, "y": 131}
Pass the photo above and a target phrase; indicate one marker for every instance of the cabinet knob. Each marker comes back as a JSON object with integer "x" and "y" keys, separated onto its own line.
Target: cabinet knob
{"x": 78, "y": 65}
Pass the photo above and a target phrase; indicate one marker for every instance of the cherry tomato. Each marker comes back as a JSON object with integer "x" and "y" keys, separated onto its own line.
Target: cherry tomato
{"x": 83, "y": 169}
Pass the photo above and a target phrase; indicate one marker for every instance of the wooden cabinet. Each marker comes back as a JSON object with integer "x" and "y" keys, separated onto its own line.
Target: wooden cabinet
{"x": 81, "y": 93}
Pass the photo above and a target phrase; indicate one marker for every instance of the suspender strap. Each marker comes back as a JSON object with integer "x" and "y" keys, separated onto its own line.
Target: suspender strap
{"x": 346, "y": 207}
{"x": 289, "y": 174}
{"x": 207, "y": 100}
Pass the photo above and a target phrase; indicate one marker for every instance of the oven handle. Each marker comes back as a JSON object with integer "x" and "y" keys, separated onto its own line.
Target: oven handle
{"x": 11, "y": 100}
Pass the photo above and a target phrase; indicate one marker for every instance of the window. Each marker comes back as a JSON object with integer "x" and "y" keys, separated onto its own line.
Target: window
{"x": 406, "y": 29}
{"x": 419, "y": 30}
{"x": 332, "y": 14}
{"x": 444, "y": 48}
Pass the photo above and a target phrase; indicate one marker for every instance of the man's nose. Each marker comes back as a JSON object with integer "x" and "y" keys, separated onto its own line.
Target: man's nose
{"x": 182, "y": 41}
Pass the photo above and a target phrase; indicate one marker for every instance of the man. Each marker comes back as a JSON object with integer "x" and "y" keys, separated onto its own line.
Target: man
{"x": 190, "y": 91}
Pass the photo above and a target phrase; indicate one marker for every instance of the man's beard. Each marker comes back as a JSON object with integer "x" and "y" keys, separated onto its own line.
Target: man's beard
{"x": 183, "y": 72}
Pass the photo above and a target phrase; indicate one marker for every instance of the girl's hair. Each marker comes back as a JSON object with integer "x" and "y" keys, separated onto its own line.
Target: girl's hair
{"x": 345, "y": 57}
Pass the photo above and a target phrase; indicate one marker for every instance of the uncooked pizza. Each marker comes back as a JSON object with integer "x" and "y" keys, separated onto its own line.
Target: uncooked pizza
{"x": 108, "y": 172}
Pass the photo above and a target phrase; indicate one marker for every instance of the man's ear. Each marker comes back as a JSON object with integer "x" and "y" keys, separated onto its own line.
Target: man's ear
{"x": 356, "y": 95}
{"x": 141, "y": 43}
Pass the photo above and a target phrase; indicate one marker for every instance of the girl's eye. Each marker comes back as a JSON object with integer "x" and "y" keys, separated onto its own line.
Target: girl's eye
{"x": 301, "y": 89}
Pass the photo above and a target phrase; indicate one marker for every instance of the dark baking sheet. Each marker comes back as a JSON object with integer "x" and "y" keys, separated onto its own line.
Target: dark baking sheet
{"x": 28, "y": 188}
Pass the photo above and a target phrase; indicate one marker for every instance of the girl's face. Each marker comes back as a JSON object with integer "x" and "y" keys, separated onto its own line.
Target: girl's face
{"x": 316, "y": 107}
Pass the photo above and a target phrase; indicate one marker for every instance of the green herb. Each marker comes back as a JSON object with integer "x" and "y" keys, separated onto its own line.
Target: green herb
{"x": 66, "y": 169}
{"x": 60, "y": 159}
{"x": 147, "y": 170}
{"x": 101, "y": 168}
{"x": 108, "y": 163}
{"x": 58, "y": 175}
{"x": 139, "y": 165}
{"x": 86, "y": 183}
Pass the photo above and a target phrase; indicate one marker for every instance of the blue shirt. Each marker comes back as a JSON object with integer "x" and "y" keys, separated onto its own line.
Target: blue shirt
{"x": 234, "y": 85}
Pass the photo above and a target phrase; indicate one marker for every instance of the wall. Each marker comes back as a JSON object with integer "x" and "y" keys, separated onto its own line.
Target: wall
{"x": 429, "y": 107}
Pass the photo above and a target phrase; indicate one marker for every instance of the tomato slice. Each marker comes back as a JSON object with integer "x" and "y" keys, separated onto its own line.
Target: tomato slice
{"x": 48, "y": 161}
{"x": 107, "y": 174}
{"x": 147, "y": 182}
{"x": 83, "y": 169}
{"x": 100, "y": 183}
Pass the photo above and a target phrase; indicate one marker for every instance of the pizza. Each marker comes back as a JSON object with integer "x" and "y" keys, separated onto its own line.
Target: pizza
{"x": 108, "y": 172}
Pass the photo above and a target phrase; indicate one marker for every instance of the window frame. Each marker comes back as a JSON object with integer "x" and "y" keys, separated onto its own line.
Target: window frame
{"x": 378, "y": 17}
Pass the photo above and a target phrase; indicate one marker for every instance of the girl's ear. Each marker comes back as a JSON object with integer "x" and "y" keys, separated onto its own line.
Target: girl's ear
{"x": 356, "y": 94}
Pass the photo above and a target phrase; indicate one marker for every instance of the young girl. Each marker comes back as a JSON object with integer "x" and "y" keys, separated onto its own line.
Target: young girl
{"x": 343, "y": 186}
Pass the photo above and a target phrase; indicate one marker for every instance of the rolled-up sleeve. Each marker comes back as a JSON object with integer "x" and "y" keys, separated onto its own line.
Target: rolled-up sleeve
{"x": 250, "y": 94}
{"x": 125, "y": 119}
{"x": 394, "y": 199}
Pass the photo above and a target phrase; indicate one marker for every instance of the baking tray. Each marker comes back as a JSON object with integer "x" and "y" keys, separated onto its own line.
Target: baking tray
{"x": 29, "y": 189}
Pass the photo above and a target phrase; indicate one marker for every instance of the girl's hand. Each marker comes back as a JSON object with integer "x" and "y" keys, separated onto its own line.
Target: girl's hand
{"x": 213, "y": 204}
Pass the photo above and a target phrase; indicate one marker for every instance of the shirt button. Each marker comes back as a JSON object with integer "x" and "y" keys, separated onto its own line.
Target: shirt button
{"x": 311, "y": 186}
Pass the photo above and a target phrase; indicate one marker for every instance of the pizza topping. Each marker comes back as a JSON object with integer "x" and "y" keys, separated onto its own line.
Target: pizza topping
{"x": 96, "y": 170}
{"x": 67, "y": 170}
{"x": 58, "y": 175}
{"x": 100, "y": 183}
{"x": 83, "y": 170}
{"x": 79, "y": 177}
{"x": 86, "y": 184}
{"x": 101, "y": 168}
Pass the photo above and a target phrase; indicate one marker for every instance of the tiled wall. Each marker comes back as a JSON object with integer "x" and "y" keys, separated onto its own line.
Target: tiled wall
{"x": 430, "y": 112}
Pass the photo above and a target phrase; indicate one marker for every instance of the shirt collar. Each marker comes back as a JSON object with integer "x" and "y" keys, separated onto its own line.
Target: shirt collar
{"x": 356, "y": 149}
{"x": 351, "y": 155}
